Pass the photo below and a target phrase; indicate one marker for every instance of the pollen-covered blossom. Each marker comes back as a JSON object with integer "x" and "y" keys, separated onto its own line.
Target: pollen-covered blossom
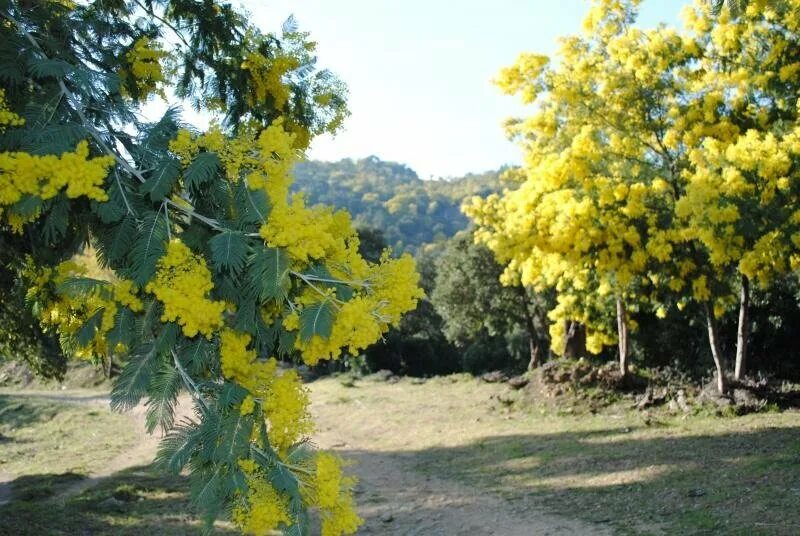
{"x": 334, "y": 498}
{"x": 7, "y": 117}
{"x": 46, "y": 176}
{"x": 68, "y": 313}
{"x": 144, "y": 61}
{"x": 263, "y": 509}
{"x": 182, "y": 283}
{"x": 267, "y": 77}
{"x": 282, "y": 395}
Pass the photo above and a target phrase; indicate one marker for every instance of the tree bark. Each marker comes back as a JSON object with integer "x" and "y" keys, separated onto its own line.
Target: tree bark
{"x": 716, "y": 352}
{"x": 575, "y": 343}
{"x": 535, "y": 354}
{"x": 623, "y": 336}
{"x": 743, "y": 330}
{"x": 530, "y": 327}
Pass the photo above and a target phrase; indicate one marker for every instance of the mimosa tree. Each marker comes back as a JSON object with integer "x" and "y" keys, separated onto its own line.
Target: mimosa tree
{"x": 658, "y": 165}
{"x": 217, "y": 269}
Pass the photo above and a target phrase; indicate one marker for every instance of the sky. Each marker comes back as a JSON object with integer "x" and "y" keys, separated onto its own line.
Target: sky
{"x": 419, "y": 71}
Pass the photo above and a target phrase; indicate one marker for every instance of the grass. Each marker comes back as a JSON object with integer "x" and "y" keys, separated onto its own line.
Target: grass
{"x": 39, "y": 434}
{"x": 639, "y": 474}
{"x": 132, "y": 502}
{"x": 49, "y": 445}
{"x": 642, "y": 474}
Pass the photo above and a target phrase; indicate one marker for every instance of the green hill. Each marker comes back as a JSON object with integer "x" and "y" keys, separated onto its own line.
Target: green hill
{"x": 391, "y": 197}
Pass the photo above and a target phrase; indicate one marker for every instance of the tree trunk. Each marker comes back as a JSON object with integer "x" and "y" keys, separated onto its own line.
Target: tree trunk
{"x": 530, "y": 327}
{"x": 535, "y": 357}
{"x": 575, "y": 340}
{"x": 622, "y": 335}
{"x": 744, "y": 330}
{"x": 716, "y": 352}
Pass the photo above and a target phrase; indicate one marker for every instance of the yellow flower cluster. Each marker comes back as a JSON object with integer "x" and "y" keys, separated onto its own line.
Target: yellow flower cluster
{"x": 144, "y": 61}
{"x": 46, "y": 176}
{"x": 181, "y": 283}
{"x": 264, "y": 509}
{"x": 267, "y": 77}
{"x": 7, "y": 117}
{"x": 334, "y": 497}
{"x": 392, "y": 290}
{"x": 68, "y": 313}
{"x": 282, "y": 396}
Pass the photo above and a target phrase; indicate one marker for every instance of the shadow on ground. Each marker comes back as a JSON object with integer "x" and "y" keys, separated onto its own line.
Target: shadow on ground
{"x": 136, "y": 501}
{"x": 648, "y": 480}
{"x": 732, "y": 482}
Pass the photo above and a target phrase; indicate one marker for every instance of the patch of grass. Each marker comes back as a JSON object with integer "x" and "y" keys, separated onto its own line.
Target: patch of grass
{"x": 133, "y": 502}
{"x": 43, "y": 435}
{"x": 643, "y": 474}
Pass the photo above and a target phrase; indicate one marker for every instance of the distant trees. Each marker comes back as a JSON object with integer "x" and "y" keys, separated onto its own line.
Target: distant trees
{"x": 391, "y": 197}
{"x": 661, "y": 168}
{"x": 469, "y": 297}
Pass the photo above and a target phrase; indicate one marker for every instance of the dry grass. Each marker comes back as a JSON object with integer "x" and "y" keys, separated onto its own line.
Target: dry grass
{"x": 41, "y": 434}
{"x": 641, "y": 474}
{"x": 619, "y": 470}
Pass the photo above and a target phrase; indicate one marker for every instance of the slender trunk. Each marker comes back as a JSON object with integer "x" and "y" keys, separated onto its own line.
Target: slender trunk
{"x": 622, "y": 335}
{"x": 530, "y": 327}
{"x": 107, "y": 369}
{"x": 716, "y": 352}
{"x": 575, "y": 340}
{"x": 744, "y": 330}
{"x": 535, "y": 357}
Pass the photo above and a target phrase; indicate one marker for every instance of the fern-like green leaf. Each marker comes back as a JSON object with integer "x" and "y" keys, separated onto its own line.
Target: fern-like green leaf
{"x": 124, "y": 328}
{"x": 148, "y": 247}
{"x": 316, "y": 319}
{"x": 57, "y": 220}
{"x": 49, "y": 68}
{"x": 229, "y": 251}
{"x": 162, "y": 397}
{"x": 161, "y": 180}
{"x": 201, "y": 170}
{"x": 131, "y": 385}
{"x": 268, "y": 271}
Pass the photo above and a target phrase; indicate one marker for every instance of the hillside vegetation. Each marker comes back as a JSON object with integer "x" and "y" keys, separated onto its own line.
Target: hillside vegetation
{"x": 390, "y": 196}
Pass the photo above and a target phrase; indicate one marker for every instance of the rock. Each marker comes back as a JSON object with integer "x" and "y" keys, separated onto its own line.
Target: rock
{"x": 494, "y": 377}
{"x": 681, "y": 402}
{"x": 747, "y": 399}
{"x": 111, "y": 505}
{"x": 383, "y": 375}
{"x": 696, "y": 492}
{"x": 387, "y": 518}
{"x": 518, "y": 382}
{"x": 418, "y": 381}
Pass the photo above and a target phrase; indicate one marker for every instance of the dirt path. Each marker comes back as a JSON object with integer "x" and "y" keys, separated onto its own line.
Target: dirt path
{"x": 141, "y": 453}
{"x": 394, "y": 498}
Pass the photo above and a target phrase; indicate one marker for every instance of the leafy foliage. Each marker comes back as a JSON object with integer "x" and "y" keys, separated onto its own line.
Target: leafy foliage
{"x": 208, "y": 267}
{"x": 391, "y": 197}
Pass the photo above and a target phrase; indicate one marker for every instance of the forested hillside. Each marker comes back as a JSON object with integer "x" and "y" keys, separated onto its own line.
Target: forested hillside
{"x": 391, "y": 197}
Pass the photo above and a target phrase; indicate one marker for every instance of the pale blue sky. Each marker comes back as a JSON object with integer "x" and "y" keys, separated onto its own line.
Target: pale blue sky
{"x": 419, "y": 71}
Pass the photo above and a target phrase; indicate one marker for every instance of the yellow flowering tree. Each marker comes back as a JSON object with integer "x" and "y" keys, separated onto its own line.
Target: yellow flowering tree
{"x": 741, "y": 135}
{"x": 659, "y": 169}
{"x": 220, "y": 275}
{"x": 592, "y": 217}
